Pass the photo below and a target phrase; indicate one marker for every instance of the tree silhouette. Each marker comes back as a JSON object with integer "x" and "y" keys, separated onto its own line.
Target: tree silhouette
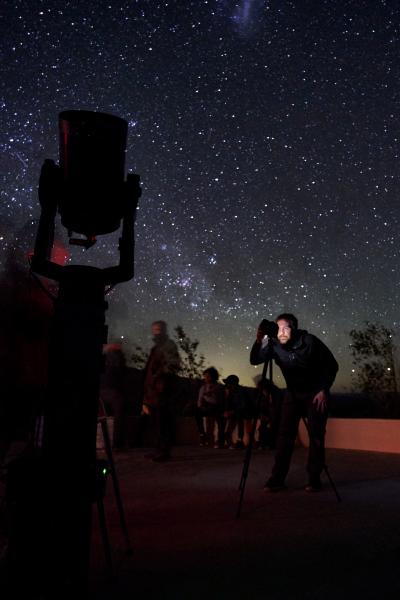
{"x": 373, "y": 351}
{"x": 192, "y": 363}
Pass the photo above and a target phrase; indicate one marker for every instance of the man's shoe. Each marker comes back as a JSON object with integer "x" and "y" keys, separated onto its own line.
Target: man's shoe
{"x": 313, "y": 486}
{"x": 273, "y": 486}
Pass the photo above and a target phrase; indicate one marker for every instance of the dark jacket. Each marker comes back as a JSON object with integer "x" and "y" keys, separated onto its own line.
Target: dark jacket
{"x": 307, "y": 365}
{"x": 163, "y": 363}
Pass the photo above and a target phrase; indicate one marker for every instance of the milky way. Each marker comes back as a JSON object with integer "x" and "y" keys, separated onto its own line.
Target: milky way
{"x": 266, "y": 136}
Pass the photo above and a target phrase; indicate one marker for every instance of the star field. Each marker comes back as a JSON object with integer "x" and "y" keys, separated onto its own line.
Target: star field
{"x": 266, "y": 135}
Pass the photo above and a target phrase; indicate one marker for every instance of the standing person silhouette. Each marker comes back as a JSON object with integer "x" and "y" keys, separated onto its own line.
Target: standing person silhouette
{"x": 210, "y": 406}
{"x": 161, "y": 370}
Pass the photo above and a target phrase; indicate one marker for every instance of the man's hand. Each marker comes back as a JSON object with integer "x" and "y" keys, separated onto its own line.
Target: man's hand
{"x": 321, "y": 401}
{"x": 260, "y": 335}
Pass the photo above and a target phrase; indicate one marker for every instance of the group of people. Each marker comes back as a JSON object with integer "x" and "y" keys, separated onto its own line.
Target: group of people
{"x": 232, "y": 407}
{"x": 309, "y": 369}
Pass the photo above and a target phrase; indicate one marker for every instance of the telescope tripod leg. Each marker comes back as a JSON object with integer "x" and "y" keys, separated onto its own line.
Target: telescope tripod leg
{"x": 105, "y": 537}
{"x": 117, "y": 492}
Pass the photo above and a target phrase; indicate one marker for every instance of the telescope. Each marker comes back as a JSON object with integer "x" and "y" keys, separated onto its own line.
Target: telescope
{"x": 89, "y": 191}
{"x": 92, "y": 164}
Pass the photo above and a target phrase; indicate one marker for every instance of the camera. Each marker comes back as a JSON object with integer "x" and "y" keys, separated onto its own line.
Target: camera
{"x": 269, "y": 328}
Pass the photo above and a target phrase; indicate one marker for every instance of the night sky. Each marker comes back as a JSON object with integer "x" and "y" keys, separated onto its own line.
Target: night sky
{"x": 266, "y": 135}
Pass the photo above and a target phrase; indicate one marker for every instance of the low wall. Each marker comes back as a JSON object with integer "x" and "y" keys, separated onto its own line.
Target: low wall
{"x": 376, "y": 435}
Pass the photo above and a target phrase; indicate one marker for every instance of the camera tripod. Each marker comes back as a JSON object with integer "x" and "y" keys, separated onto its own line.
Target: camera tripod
{"x": 246, "y": 463}
{"x": 103, "y": 468}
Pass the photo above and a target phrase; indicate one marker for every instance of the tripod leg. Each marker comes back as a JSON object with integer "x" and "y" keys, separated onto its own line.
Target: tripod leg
{"x": 325, "y": 468}
{"x": 117, "y": 492}
{"x": 249, "y": 448}
{"x": 105, "y": 537}
{"x": 246, "y": 464}
{"x": 333, "y": 486}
